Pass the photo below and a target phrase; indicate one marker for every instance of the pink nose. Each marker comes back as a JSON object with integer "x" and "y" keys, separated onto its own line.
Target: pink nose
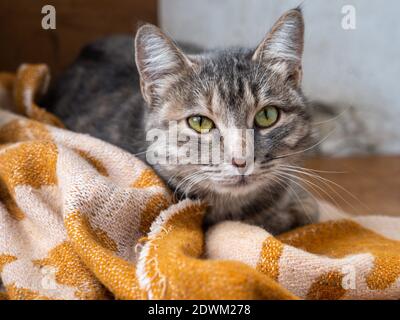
{"x": 237, "y": 162}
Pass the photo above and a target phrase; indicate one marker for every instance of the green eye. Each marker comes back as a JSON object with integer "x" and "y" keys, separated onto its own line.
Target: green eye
{"x": 200, "y": 124}
{"x": 267, "y": 117}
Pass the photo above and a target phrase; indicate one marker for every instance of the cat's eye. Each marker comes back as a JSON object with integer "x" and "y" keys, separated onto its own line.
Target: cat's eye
{"x": 266, "y": 117}
{"x": 200, "y": 124}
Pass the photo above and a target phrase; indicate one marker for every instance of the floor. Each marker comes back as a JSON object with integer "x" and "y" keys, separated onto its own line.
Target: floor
{"x": 362, "y": 185}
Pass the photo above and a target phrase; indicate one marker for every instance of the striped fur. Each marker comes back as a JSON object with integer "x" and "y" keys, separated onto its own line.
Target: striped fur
{"x": 228, "y": 86}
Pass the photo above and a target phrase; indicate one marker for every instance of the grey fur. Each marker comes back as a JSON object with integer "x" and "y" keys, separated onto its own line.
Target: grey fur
{"x": 100, "y": 95}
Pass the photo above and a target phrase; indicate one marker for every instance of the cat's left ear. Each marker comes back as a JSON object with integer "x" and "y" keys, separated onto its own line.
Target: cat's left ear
{"x": 158, "y": 60}
{"x": 284, "y": 44}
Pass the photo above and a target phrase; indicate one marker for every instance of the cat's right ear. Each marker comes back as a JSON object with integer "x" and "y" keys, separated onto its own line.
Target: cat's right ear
{"x": 284, "y": 43}
{"x": 158, "y": 61}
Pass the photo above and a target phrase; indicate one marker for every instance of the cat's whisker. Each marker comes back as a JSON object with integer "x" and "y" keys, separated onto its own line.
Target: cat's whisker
{"x": 307, "y": 149}
{"x": 308, "y": 191}
{"x": 193, "y": 183}
{"x": 298, "y": 199}
{"x": 327, "y": 182}
{"x": 185, "y": 184}
{"x": 173, "y": 177}
{"x": 182, "y": 182}
{"x": 311, "y": 170}
{"x": 333, "y": 118}
{"x": 313, "y": 186}
{"x": 136, "y": 154}
{"x": 295, "y": 193}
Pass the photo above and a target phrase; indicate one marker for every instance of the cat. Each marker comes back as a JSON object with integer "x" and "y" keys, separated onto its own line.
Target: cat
{"x": 204, "y": 93}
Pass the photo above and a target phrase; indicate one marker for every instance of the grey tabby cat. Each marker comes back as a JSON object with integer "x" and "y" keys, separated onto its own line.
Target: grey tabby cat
{"x": 204, "y": 93}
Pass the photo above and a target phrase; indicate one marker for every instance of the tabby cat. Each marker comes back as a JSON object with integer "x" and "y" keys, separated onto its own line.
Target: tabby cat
{"x": 205, "y": 95}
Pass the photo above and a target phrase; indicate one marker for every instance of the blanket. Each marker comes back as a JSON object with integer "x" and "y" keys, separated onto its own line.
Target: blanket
{"x": 82, "y": 219}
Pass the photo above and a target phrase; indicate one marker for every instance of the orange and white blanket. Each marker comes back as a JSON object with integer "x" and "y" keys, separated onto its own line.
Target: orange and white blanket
{"x": 82, "y": 219}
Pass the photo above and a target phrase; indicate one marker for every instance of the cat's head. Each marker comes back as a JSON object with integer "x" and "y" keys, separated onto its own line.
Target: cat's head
{"x": 206, "y": 98}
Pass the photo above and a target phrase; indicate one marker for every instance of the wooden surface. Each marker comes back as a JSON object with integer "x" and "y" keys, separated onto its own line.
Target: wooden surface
{"x": 22, "y": 38}
{"x": 374, "y": 183}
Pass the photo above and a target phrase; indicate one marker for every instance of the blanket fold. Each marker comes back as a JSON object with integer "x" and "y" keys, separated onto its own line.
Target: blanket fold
{"x": 82, "y": 219}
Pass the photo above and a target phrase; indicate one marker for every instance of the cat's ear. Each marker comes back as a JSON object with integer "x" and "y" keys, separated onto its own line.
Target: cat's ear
{"x": 158, "y": 60}
{"x": 284, "y": 43}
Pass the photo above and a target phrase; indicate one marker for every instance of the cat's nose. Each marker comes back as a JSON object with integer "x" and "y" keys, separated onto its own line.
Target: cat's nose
{"x": 239, "y": 162}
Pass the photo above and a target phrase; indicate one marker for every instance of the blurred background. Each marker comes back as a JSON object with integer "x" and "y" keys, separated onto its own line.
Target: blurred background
{"x": 353, "y": 72}
{"x": 351, "y": 67}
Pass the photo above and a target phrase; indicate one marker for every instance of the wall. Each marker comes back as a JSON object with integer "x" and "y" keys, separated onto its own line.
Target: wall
{"x": 22, "y": 38}
{"x": 356, "y": 72}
